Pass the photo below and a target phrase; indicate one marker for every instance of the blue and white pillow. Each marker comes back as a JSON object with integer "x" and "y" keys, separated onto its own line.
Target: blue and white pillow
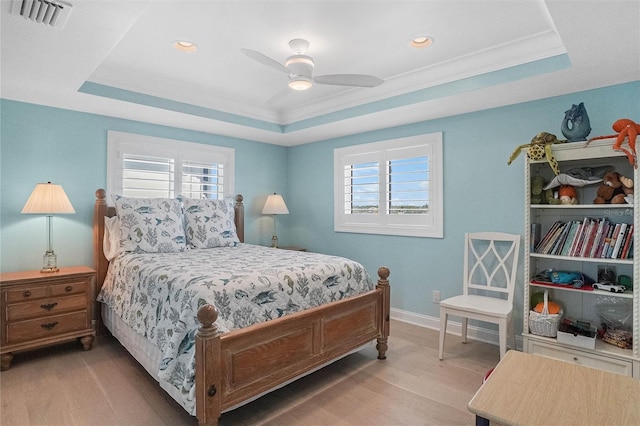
{"x": 210, "y": 223}
{"x": 150, "y": 225}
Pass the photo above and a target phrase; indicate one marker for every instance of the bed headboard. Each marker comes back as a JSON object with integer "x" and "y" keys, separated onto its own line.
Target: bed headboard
{"x": 101, "y": 209}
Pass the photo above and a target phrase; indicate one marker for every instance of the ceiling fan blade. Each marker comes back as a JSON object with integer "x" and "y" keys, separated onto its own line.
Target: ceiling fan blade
{"x": 278, "y": 96}
{"x": 358, "y": 80}
{"x": 265, "y": 60}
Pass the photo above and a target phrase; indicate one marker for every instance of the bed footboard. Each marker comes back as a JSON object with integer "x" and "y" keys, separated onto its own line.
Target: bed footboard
{"x": 234, "y": 367}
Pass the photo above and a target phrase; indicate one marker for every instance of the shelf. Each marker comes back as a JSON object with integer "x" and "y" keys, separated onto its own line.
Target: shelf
{"x": 583, "y": 259}
{"x": 581, "y": 206}
{"x": 561, "y": 227}
{"x": 602, "y": 348}
{"x": 626, "y": 295}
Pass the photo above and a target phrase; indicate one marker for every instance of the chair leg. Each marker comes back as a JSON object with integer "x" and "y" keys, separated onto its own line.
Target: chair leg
{"x": 443, "y": 332}
{"x": 502, "y": 334}
{"x": 511, "y": 334}
{"x": 465, "y": 323}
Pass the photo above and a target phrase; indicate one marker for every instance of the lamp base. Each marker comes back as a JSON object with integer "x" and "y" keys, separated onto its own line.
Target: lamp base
{"x": 274, "y": 241}
{"x": 49, "y": 263}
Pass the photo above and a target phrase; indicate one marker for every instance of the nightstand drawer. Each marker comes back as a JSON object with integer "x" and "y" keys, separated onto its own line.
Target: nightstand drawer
{"x": 79, "y": 286}
{"x": 52, "y": 289}
{"x": 39, "y": 308}
{"x": 20, "y": 295}
{"x": 44, "y": 327}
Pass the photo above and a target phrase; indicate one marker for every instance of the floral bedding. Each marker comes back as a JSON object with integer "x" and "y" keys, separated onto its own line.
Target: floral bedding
{"x": 158, "y": 295}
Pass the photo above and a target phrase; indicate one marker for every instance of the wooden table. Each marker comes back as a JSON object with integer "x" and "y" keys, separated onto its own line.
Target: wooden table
{"x": 527, "y": 389}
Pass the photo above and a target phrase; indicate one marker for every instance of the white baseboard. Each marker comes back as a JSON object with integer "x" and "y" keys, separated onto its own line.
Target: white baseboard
{"x": 453, "y": 327}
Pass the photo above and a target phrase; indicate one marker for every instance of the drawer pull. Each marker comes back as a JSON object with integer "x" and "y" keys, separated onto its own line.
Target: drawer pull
{"x": 68, "y": 288}
{"x": 49, "y": 306}
{"x": 49, "y": 325}
{"x": 26, "y": 293}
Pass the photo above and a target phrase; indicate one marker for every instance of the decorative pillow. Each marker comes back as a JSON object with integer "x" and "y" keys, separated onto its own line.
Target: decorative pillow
{"x": 151, "y": 225}
{"x": 111, "y": 241}
{"x": 210, "y": 223}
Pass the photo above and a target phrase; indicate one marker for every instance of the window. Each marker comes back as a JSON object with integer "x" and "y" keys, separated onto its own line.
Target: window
{"x": 392, "y": 187}
{"x": 145, "y": 166}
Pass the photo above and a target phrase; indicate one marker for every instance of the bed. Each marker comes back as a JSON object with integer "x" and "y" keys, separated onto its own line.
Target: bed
{"x": 231, "y": 365}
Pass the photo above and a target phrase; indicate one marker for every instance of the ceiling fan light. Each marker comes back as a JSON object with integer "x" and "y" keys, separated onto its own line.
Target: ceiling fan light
{"x": 299, "y": 59}
{"x": 300, "y": 83}
{"x": 421, "y": 41}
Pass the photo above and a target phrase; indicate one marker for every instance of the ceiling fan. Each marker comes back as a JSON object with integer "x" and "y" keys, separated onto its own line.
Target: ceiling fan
{"x": 299, "y": 67}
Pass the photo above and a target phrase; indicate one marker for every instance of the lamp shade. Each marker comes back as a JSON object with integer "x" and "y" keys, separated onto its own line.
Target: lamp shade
{"x": 275, "y": 205}
{"x": 48, "y": 198}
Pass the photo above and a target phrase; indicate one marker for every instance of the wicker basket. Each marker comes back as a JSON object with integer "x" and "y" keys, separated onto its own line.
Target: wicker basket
{"x": 543, "y": 323}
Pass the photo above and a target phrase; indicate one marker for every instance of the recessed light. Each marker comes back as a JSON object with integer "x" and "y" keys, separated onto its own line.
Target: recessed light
{"x": 422, "y": 41}
{"x": 185, "y": 46}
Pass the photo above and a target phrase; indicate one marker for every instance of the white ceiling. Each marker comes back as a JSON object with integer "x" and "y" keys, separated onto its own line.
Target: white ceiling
{"x": 116, "y": 58}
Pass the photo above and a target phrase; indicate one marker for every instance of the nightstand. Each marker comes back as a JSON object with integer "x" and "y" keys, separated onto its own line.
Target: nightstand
{"x": 40, "y": 309}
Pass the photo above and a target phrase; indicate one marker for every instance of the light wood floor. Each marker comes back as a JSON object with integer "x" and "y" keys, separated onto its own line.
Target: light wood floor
{"x": 64, "y": 385}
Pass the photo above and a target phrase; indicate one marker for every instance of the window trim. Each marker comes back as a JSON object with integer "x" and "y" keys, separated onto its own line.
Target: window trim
{"x": 382, "y": 223}
{"x": 131, "y": 143}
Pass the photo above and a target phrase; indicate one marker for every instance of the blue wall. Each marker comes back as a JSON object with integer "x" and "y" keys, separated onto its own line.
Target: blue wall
{"x": 481, "y": 191}
{"x": 41, "y": 144}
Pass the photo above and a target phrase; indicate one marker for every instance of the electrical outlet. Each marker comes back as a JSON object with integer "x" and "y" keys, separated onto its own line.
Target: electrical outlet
{"x": 435, "y": 296}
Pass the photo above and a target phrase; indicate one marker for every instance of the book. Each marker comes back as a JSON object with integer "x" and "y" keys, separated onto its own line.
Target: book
{"x": 601, "y": 243}
{"x": 624, "y": 251}
{"x": 588, "y": 238}
{"x": 607, "y": 241}
{"x": 583, "y": 236}
{"x": 612, "y": 242}
{"x": 560, "y": 239}
{"x": 619, "y": 238}
{"x": 536, "y": 233}
{"x": 598, "y": 237}
{"x": 553, "y": 239}
{"x": 579, "y": 236}
{"x": 547, "y": 236}
{"x": 566, "y": 249}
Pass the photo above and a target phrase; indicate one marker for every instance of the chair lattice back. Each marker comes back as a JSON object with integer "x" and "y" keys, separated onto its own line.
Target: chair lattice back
{"x": 491, "y": 263}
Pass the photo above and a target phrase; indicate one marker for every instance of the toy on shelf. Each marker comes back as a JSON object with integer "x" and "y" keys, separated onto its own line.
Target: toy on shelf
{"x": 580, "y": 176}
{"x": 614, "y": 189}
{"x": 568, "y": 194}
{"x": 627, "y": 129}
{"x": 540, "y": 194}
{"x": 575, "y": 125}
{"x": 539, "y": 148}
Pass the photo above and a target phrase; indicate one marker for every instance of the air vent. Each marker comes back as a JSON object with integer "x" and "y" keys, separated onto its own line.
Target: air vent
{"x": 48, "y": 12}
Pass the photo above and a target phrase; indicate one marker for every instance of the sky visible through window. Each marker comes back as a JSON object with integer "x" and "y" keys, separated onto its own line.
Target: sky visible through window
{"x": 406, "y": 192}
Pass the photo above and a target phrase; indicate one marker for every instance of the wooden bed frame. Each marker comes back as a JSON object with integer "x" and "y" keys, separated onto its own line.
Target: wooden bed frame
{"x": 235, "y": 367}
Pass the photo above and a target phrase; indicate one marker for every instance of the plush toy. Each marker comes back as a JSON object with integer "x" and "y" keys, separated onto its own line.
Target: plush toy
{"x": 539, "y": 148}
{"x": 539, "y": 195}
{"x": 614, "y": 189}
{"x": 627, "y": 129}
{"x": 568, "y": 194}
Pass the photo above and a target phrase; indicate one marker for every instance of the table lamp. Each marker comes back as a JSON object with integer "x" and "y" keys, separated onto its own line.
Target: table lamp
{"x": 48, "y": 199}
{"x": 275, "y": 205}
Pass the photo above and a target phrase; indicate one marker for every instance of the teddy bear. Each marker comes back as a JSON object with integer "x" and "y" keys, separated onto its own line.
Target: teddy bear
{"x": 613, "y": 189}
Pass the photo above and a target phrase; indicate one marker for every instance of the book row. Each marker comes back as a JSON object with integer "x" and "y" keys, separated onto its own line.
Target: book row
{"x": 596, "y": 238}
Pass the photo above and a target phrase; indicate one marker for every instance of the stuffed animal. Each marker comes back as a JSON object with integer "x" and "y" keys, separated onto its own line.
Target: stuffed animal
{"x": 539, "y": 195}
{"x": 613, "y": 189}
{"x": 568, "y": 194}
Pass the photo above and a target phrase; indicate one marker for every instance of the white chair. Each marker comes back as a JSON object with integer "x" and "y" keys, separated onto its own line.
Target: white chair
{"x": 490, "y": 266}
